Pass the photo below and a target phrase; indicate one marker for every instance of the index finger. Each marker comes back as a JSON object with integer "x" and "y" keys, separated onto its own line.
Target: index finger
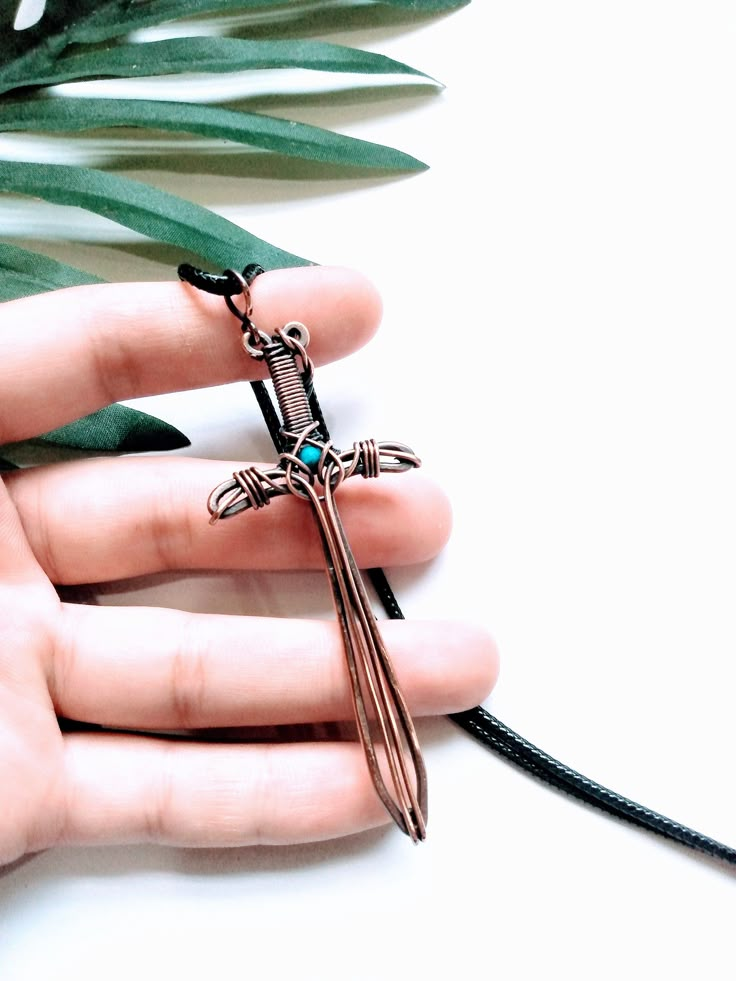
{"x": 70, "y": 352}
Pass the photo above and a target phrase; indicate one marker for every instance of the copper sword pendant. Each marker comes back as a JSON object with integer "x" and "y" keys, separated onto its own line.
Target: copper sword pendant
{"x": 310, "y": 468}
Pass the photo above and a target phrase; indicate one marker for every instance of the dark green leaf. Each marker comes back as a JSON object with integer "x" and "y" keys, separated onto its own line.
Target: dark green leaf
{"x": 31, "y": 53}
{"x": 7, "y": 465}
{"x": 24, "y": 273}
{"x": 116, "y": 429}
{"x": 217, "y": 54}
{"x": 26, "y": 54}
{"x": 115, "y": 19}
{"x": 427, "y": 6}
{"x": 281, "y": 135}
{"x": 156, "y": 214}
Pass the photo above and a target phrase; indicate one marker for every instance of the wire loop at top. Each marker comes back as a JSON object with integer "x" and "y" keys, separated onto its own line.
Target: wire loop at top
{"x": 242, "y": 288}
{"x": 228, "y": 285}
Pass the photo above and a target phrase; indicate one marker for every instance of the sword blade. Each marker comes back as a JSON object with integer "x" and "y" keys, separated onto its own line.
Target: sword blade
{"x": 375, "y": 690}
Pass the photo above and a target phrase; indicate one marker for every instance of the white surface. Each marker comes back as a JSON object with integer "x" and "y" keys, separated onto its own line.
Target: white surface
{"x": 566, "y": 269}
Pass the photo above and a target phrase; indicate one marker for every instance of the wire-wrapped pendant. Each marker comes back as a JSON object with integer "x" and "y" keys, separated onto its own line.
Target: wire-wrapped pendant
{"x": 311, "y": 468}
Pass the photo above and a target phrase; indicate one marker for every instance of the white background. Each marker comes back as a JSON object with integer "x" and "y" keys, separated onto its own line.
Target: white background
{"x": 558, "y": 346}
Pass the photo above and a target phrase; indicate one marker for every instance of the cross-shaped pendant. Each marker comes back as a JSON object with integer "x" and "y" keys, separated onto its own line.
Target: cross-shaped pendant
{"x": 310, "y": 468}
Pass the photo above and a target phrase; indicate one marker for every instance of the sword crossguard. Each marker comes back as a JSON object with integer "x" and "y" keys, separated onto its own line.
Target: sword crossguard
{"x": 253, "y": 488}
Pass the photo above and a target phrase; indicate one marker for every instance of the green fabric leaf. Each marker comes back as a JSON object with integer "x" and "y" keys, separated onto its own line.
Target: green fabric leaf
{"x": 31, "y": 53}
{"x": 280, "y": 135}
{"x": 427, "y": 6}
{"x": 113, "y": 19}
{"x": 25, "y": 54}
{"x": 161, "y": 216}
{"x": 217, "y": 54}
{"x": 117, "y": 18}
{"x": 24, "y": 273}
{"x": 116, "y": 429}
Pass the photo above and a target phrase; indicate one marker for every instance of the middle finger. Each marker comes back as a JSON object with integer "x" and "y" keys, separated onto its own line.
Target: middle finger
{"x": 100, "y": 520}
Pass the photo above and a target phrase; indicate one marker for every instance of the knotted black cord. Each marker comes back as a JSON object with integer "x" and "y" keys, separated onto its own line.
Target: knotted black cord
{"x": 477, "y": 722}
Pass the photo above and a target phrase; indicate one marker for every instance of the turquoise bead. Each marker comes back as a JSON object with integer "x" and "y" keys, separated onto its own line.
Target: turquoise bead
{"x": 310, "y": 455}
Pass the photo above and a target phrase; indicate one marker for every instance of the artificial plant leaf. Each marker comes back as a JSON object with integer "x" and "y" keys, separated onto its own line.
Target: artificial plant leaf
{"x": 161, "y": 216}
{"x": 28, "y": 53}
{"x": 116, "y": 429}
{"x": 24, "y": 53}
{"x": 217, "y": 54}
{"x": 267, "y": 132}
{"x": 112, "y": 19}
{"x": 427, "y": 6}
{"x": 117, "y": 17}
{"x": 25, "y": 273}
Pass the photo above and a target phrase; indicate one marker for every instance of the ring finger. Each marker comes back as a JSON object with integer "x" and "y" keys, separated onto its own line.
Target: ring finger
{"x": 165, "y": 669}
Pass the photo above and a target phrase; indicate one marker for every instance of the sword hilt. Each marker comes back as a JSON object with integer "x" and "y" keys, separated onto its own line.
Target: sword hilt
{"x": 289, "y": 382}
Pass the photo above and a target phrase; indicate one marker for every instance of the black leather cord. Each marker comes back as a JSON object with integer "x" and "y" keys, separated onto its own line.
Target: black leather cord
{"x": 270, "y": 416}
{"x": 222, "y": 285}
{"x": 513, "y": 747}
{"x": 496, "y": 736}
{"x": 317, "y": 414}
{"x": 477, "y": 722}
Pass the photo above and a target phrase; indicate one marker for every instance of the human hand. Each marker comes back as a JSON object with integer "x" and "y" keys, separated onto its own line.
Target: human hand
{"x": 65, "y": 354}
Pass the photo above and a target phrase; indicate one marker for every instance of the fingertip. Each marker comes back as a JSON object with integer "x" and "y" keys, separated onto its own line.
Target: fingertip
{"x": 437, "y": 520}
{"x": 421, "y": 536}
{"x": 358, "y": 302}
{"x": 403, "y": 519}
{"x": 483, "y": 665}
{"x": 457, "y": 667}
{"x": 308, "y": 294}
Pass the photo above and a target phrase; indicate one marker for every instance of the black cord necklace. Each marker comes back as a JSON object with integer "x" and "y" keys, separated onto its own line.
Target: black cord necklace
{"x": 306, "y": 457}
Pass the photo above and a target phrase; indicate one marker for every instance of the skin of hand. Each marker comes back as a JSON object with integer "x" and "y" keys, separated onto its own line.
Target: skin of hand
{"x": 66, "y": 354}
